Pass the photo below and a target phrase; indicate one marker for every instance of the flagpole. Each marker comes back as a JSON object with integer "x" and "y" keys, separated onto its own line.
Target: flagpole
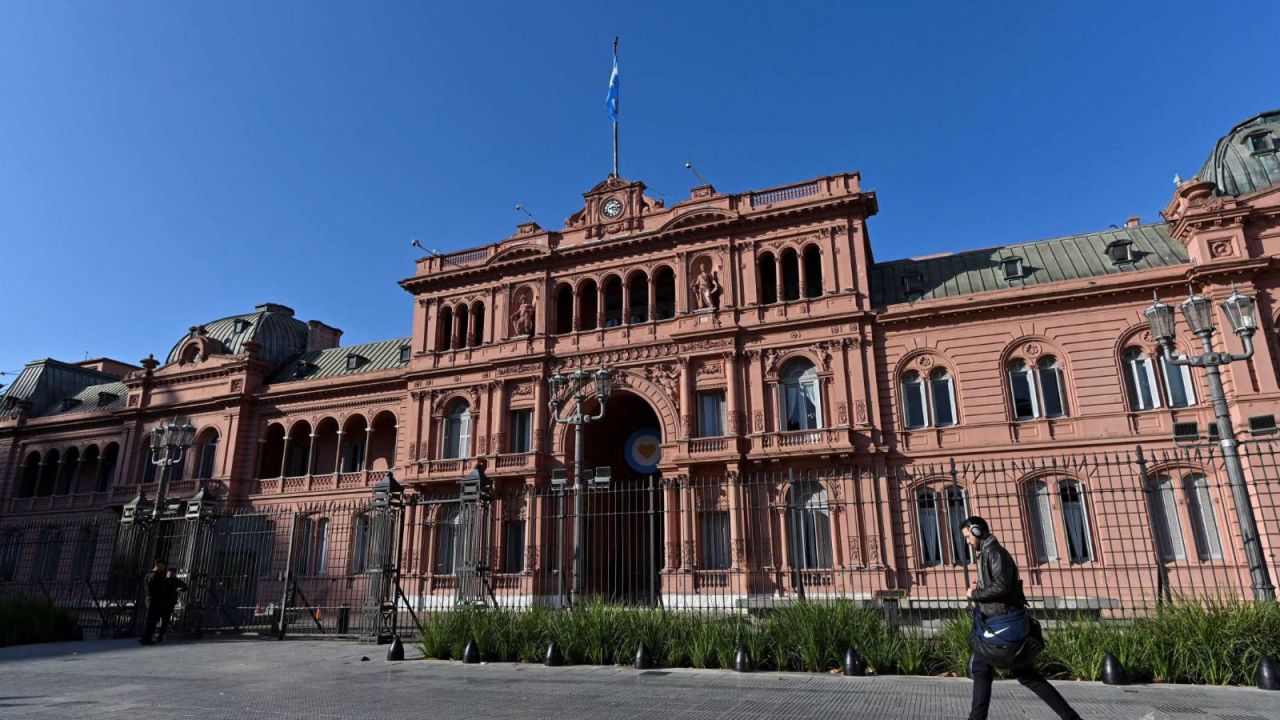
{"x": 615, "y": 122}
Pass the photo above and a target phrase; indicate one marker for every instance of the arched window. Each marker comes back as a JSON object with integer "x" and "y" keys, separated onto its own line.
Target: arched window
{"x": 957, "y": 511}
{"x": 1140, "y": 380}
{"x": 190, "y": 353}
{"x": 1178, "y": 388}
{"x": 1165, "y": 522}
{"x": 1204, "y": 523}
{"x": 477, "y": 323}
{"x": 612, "y": 301}
{"x": 798, "y": 396}
{"x": 1044, "y": 541}
{"x": 10, "y": 554}
{"x": 444, "y": 340}
{"x": 564, "y": 309}
{"x": 360, "y": 545}
{"x": 462, "y": 330}
{"x": 810, "y": 527}
{"x": 588, "y": 304}
{"x": 812, "y": 271}
{"x": 48, "y": 555}
{"x": 457, "y": 431}
{"x": 447, "y": 541}
{"x": 915, "y": 408}
{"x": 638, "y": 298}
{"x": 207, "y": 456}
{"x": 768, "y": 279}
{"x": 107, "y": 471}
{"x": 320, "y": 563}
{"x": 1075, "y": 520}
{"x": 936, "y": 405}
{"x": 30, "y": 475}
{"x": 664, "y": 293}
{"x": 1037, "y": 392}
{"x": 86, "y": 546}
{"x": 927, "y": 519}
{"x": 790, "y": 275}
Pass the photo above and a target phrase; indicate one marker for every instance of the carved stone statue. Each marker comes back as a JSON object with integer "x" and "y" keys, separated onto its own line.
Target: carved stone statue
{"x": 706, "y": 287}
{"x": 522, "y": 318}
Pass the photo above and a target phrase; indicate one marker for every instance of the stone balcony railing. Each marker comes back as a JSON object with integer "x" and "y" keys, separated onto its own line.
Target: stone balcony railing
{"x": 314, "y": 483}
{"x": 709, "y": 445}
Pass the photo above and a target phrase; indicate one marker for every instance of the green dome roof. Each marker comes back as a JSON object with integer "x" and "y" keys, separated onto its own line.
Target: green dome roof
{"x": 281, "y": 335}
{"x": 1247, "y": 159}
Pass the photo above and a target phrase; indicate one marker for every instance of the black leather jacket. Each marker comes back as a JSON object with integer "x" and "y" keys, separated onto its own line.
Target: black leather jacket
{"x": 999, "y": 587}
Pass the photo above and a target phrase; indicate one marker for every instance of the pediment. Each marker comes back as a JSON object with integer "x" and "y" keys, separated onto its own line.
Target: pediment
{"x": 699, "y": 216}
{"x": 517, "y": 252}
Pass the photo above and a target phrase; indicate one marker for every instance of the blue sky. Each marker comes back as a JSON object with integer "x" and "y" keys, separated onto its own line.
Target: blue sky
{"x": 164, "y": 164}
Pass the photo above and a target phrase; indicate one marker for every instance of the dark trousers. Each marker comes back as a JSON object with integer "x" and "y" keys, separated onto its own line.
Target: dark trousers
{"x": 156, "y": 615}
{"x": 1030, "y": 678}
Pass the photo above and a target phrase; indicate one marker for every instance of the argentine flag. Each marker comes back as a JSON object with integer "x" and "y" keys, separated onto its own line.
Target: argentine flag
{"x": 611, "y": 100}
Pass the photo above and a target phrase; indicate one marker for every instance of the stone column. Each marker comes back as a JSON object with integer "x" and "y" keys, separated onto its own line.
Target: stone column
{"x": 733, "y": 406}
{"x": 284, "y": 458}
{"x": 498, "y": 415}
{"x": 737, "y": 543}
{"x": 682, "y": 284}
{"x": 337, "y": 453}
{"x": 368, "y": 442}
{"x": 600, "y": 306}
{"x": 311, "y": 454}
{"x": 577, "y": 311}
{"x": 686, "y": 401}
{"x": 653, "y": 299}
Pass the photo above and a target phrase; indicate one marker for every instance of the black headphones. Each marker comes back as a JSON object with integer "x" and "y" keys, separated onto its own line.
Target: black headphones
{"x": 976, "y": 526}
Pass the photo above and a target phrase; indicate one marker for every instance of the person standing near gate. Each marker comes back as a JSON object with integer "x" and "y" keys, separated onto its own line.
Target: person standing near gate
{"x": 173, "y": 586}
{"x": 157, "y": 592}
{"x": 1004, "y": 634}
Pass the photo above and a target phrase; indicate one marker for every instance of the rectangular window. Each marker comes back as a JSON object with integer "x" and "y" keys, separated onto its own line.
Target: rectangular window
{"x": 944, "y": 414}
{"x": 1179, "y": 390}
{"x": 913, "y": 403}
{"x": 957, "y": 511}
{"x": 521, "y": 431}
{"x": 800, "y": 401}
{"x": 1144, "y": 382}
{"x": 9, "y": 554}
{"x": 352, "y": 457}
{"x": 927, "y": 515}
{"x": 513, "y": 546}
{"x": 82, "y": 563}
{"x": 360, "y": 545}
{"x": 1200, "y": 507}
{"x": 1051, "y": 387}
{"x": 1076, "y": 520}
{"x": 715, "y": 540}
{"x": 1167, "y": 527}
{"x": 1043, "y": 536}
{"x": 208, "y": 457}
{"x": 1024, "y": 401}
{"x": 711, "y": 414}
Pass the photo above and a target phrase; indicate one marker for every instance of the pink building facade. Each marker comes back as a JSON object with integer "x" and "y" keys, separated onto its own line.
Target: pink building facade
{"x": 754, "y": 335}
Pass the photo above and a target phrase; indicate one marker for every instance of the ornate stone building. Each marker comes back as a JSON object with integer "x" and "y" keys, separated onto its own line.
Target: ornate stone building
{"x": 750, "y": 332}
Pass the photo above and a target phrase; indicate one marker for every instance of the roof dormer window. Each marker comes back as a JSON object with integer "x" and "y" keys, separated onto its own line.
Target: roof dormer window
{"x": 106, "y": 398}
{"x": 68, "y": 403}
{"x": 354, "y": 361}
{"x": 1120, "y": 252}
{"x": 404, "y": 353}
{"x": 912, "y": 284}
{"x": 240, "y": 325}
{"x": 304, "y": 368}
{"x": 1012, "y": 267}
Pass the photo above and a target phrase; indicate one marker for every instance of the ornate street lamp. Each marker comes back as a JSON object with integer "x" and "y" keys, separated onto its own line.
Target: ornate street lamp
{"x": 1198, "y": 312}
{"x": 169, "y": 443}
{"x": 578, "y": 384}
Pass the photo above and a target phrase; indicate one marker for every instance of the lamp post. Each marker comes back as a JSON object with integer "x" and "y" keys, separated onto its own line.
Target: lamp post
{"x": 169, "y": 443}
{"x": 575, "y": 384}
{"x": 1198, "y": 312}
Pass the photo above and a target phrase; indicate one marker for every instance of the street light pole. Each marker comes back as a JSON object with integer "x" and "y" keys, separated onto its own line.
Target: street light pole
{"x": 576, "y": 383}
{"x": 169, "y": 444}
{"x": 1198, "y": 311}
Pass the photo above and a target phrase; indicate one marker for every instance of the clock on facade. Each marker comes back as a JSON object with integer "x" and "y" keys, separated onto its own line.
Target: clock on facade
{"x": 611, "y": 208}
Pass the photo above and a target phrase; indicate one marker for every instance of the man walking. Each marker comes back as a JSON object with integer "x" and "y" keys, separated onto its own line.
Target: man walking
{"x": 157, "y": 591}
{"x": 998, "y": 591}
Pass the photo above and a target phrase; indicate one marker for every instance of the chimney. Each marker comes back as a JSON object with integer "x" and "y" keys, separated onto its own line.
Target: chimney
{"x": 1134, "y": 221}
{"x": 321, "y": 336}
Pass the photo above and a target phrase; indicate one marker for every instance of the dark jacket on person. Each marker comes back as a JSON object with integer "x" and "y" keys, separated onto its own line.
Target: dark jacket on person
{"x": 157, "y": 587}
{"x": 999, "y": 587}
{"x": 173, "y": 586}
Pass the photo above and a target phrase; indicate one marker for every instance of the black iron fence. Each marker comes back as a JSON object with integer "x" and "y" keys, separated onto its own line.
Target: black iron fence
{"x": 1111, "y": 535}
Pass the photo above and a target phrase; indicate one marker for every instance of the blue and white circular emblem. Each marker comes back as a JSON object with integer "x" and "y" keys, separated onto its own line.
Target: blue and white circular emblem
{"x": 644, "y": 450}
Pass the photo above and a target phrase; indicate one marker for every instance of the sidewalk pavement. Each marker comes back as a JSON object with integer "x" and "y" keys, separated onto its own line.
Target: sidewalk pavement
{"x": 256, "y": 679}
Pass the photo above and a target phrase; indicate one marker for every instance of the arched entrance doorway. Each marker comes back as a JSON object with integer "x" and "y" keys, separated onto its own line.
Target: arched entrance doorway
{"x": 622, "y": 548}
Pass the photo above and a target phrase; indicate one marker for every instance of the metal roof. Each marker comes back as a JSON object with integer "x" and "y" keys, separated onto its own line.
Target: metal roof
{"x": 272, "y": 326}
{"x": 1239, "y": 165}
{"x": 94, "y": 398}
{"x": 1043, "y": 262}
{"x": 48, "y": 381}
{"x": 322, "y": 364}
